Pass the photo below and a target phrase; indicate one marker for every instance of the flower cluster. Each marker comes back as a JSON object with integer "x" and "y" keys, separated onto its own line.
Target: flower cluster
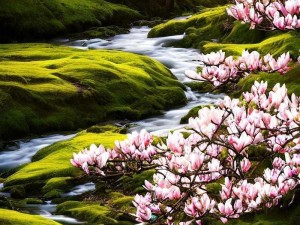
{"x": 267, "y": 14}
{"x": 130, "y": 155}
{"x": 247, "y": 148}
{"x": 219, "y": 70}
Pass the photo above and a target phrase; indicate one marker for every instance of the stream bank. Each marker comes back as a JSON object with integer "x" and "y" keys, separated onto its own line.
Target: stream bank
{"x": 51, "y": 170}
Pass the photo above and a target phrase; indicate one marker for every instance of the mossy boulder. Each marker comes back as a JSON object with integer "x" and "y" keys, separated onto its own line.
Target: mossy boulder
{"x": 91, "y": 212}
{"x": 56, "y": 183}
{"x": 31, "y": 19}
{"x": 99, "y": 32}
{"x": 45, "y": 88}
{"x": 33, "y": 201}
{"x": 241, "y": 34}
{"x": 200, "y": 87}
{"x": 135, "y": 183}
{"x": 10, "y": 217}
{"x": 55, "y": 193}
{"x": 276, "y": 44}
{"x": 52, "y": 163}
{"x": 291, "y": 79}
{"x": 120, "y": 201}
{"x": 207, "y": 25}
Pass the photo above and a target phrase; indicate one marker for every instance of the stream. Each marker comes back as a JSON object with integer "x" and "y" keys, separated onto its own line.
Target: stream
{"x": 178, "y": 60}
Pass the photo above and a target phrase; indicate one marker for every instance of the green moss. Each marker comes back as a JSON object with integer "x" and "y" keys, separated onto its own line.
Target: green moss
{"x": 91, "y": 212}
{"x": 99, "y": 32}
{"x": 56, "y": 193}
{"x": 241, "y": 33}
{"x": 192, "y": 113}
{"x": 56, "y": 183}
{"x": 54, "y": 160}
{"x": 206, "y": 25}
{"x": 33, "y": 201}
{"x": 134, "y": 184}
{"x": 291, "y": 79}
{"x": 39, "y": 19}
{"x": 201, "y": 87}
{"x": 276, "y": 45}
{"x": 47, "y": 88}
{"x": 10, "y": 217}
{"x": 121, "y": 202}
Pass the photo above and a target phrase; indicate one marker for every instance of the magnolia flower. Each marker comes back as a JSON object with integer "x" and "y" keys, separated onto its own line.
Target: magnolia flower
{"x": 219, "y": 70}
{"x": 266, "y": 14}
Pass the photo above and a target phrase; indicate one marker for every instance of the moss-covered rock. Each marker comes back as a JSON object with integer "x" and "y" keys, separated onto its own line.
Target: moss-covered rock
{"x": 91, "y": 212}
{"x": 55, "y": 193}
{"x": 54, "y": 160}
{"x": 46, "y": 88}
{"x": 28, "y": 19}
{"x": 120, "y": 201}
{"x": 10, "y": 217}
{"x": 135, "y": 183}
{"x": 99, "y": 32}
{"x": 33, "y": 201}
{"x": 56, "y": 183}
{"x": 275, "y": 44}
{"x": 207, "y": 25}
{"x": 291, "y": 79}
{"x": 201, "y": 87}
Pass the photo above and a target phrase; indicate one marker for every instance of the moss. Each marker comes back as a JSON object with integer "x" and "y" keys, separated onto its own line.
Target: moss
{"x": 207, "y": 25}
{"x": 91, "y": 212}
{"x": 46, "y": 88}
{"x": 214, "y": 188}
{"x": 291, "y": 79}
{"x": 241, "y": 33}
{"x": 54, "y": 160}
{"x": 134, "y": 184}
{"x": 121, "y": 202}
{"x": 99, "y": 32}
{"x": 276, "y": 45}
{"x": 56, "y": 183}
{"x": 29, "y": 19}
{"x": 33, "y": 201}
{"x": 56, "y": 193}
{"x": 201, "y": 87}
{"x": 10, "y": 217}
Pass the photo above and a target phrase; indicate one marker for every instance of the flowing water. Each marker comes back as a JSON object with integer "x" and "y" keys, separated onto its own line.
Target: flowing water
{"x": 22, "y": 151}
{"x": 176, "y": 59}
